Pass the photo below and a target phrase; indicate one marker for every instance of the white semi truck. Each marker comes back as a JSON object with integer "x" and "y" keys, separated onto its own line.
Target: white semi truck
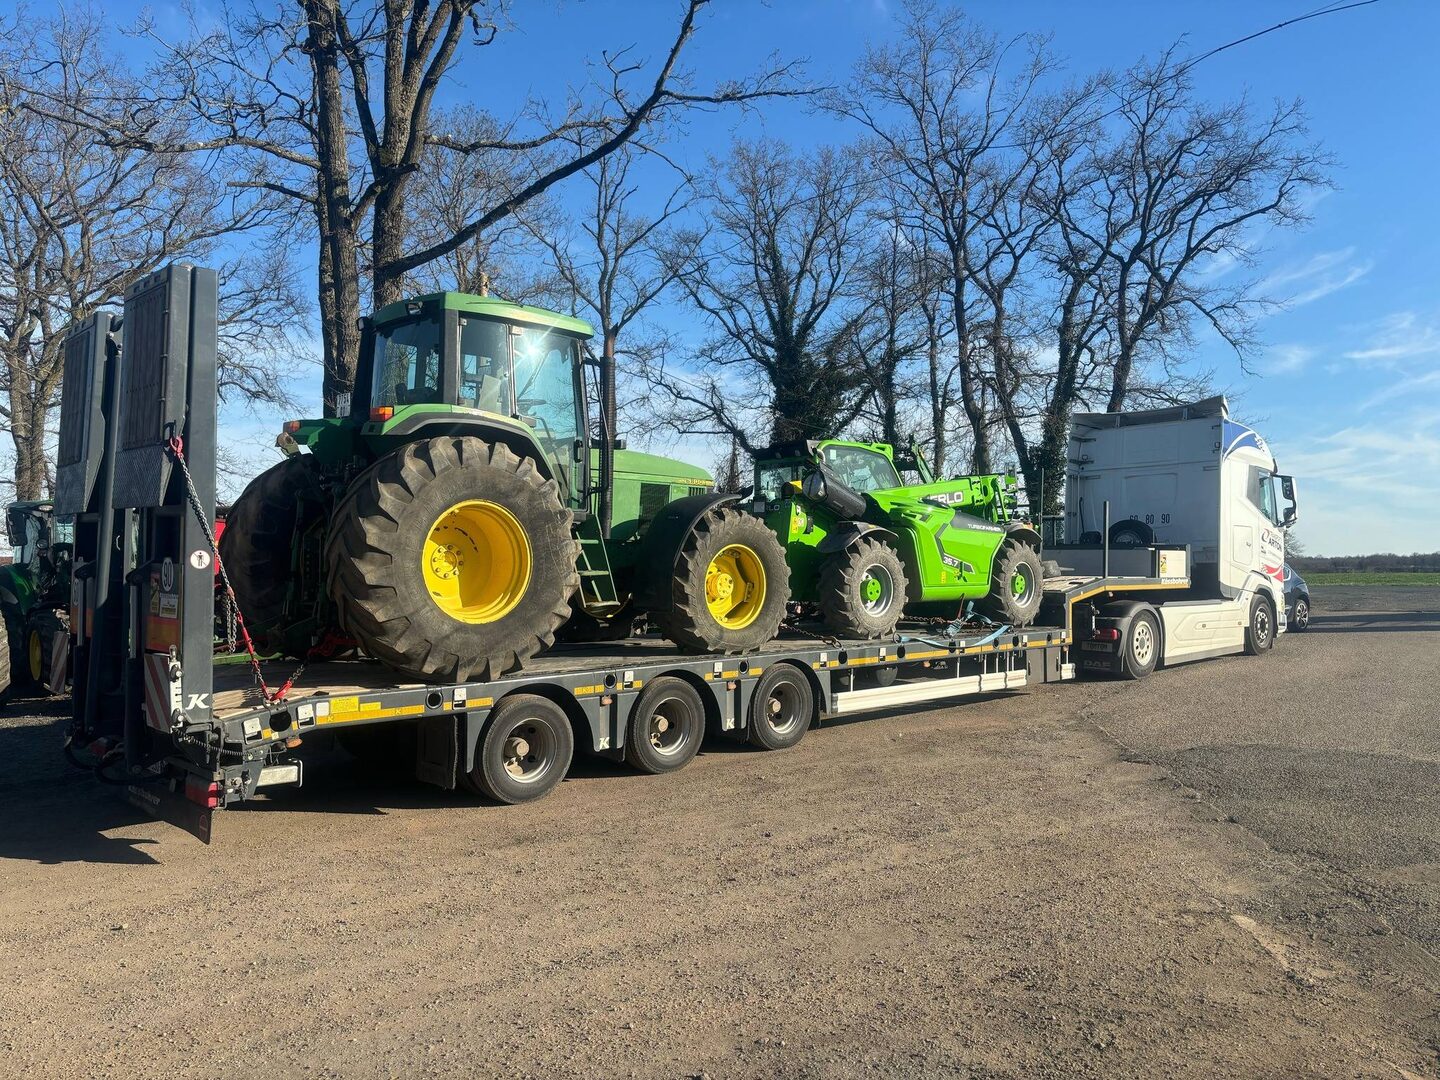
{"x": 1189, "y": 475}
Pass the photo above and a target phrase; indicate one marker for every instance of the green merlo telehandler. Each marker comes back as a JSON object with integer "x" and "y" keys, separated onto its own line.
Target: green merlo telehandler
{"x": 464, "y": 512}
{"x": 863, "y": 546}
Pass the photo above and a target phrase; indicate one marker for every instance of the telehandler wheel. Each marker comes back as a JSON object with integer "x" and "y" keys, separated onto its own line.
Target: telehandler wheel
{"x": 731, "y": 585}
{"x": 861, "y": 591}
{"x": 667, "y": 726}
{"x": 1016, "y": 585}
{"x": 525, "y": 751}
{"x": 258, "y": 544}
{"x": 452, "y": 559}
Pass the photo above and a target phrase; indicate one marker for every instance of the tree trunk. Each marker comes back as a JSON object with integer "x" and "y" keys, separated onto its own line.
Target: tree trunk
{"x": 27, "y": 432}
{"x": 340, "y": 296}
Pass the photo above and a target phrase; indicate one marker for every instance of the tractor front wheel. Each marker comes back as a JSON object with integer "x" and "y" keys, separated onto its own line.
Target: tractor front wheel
{"x": 731, "y": 585}
{"x": 452, "y": 559}
{"x": 862, "y": 590}
{"x": 1016, "y": 585}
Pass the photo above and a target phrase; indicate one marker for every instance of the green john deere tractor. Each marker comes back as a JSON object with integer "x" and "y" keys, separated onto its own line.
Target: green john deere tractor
{"x": 34, "y": 595}
{"x": 862, "y": 545}
{"x": 463, "y": 513}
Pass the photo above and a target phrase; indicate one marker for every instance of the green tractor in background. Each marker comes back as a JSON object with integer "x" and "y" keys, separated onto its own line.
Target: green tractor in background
{"x": 34, "y": 596}
{"x": 464, "y": 513}
{"x": 863, "y": 546}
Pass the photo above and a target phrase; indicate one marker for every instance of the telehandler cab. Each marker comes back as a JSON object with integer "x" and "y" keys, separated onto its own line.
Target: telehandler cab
{"x": 462, "y": 513}
{"x": 862, "y": 546}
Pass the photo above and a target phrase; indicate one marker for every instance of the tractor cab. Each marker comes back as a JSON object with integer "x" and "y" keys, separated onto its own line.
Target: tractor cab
{"x": 458, "y": 357}
{"x": 42, "y": 549}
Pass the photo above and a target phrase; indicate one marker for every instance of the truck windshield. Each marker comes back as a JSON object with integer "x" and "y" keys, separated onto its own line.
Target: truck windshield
{"x": 407, "y": 364}
{"x": 861, "y": 469}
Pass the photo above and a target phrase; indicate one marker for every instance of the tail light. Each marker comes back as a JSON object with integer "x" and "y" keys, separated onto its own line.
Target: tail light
{"x": 381, "y": 413}
{"x": 202, "y": 792}
{"x": 1109, "y": 633}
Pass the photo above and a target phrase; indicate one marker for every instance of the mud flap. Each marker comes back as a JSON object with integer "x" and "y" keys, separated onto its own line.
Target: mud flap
{"x": 437, "y": 751}
{"x": 163, "y": 804}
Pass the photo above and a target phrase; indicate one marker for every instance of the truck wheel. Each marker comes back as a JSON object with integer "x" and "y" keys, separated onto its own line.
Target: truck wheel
{"x": 1300, "y": 618}
{"x": 1260, "y": 631}
{"x": 452, "y": 559}
{"x": 781, "y": 709}
{"x": 862, "y": 590}
{"x": 731, "y": 585}
{"x": 1142, "y": 646}
{"x": 256, "y": 547}
{"x": 1016, "y": 585}
{"x": 667, "y": 726}
{"x": 525, "y": 751}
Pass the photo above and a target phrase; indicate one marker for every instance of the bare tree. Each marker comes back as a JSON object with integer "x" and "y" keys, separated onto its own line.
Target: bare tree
{"x": 1181, "y": 183}
{"x": 334, "y": 104}
{"x": 772, "y": 274}
{"x": 938, "y": 106}
{"x": 80, "y": 221}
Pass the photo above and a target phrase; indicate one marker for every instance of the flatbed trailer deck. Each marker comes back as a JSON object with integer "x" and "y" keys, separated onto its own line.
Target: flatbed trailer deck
{"x": 196, "y": 734}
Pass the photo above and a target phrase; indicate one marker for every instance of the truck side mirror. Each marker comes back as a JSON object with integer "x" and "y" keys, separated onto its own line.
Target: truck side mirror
{"x": 1290, "y": 516}
{"x": 1287, "y": 487}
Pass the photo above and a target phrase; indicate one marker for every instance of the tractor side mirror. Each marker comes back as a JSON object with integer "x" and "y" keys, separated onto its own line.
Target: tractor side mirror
{"x": 813, "y": 487}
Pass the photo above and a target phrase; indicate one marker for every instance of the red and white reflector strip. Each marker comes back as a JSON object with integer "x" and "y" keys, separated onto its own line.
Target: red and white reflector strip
{"x": 162, "y": 693}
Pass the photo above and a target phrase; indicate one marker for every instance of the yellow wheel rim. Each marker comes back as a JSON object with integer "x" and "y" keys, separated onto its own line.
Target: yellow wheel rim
{"x": 37, "y": 656}
{"x": 735, "y": 587}
{"x": 477, "y": 562}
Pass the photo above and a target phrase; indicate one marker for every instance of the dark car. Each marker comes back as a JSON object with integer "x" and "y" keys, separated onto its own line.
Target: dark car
{"x": 1297, "y": 600}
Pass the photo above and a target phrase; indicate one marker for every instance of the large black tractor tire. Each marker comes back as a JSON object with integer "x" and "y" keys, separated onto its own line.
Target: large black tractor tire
{"x": 731, "y": 585}
{"x": 861, "y": 592}
{"x": 40, "y": 651}
{"x": 12, "y": 664}
{"x": 257, "y": 549}
{"x": 452, "y": 559}
{"x": 1017, "y": 585}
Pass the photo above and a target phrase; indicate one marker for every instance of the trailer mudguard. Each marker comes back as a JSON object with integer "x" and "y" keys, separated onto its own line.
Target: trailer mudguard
{"x": 848, "y": 532}
{"x": 660, "y": 546}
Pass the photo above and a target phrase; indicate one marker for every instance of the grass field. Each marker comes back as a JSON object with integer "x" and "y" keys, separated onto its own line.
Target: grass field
{"x": 1347, "y": 578}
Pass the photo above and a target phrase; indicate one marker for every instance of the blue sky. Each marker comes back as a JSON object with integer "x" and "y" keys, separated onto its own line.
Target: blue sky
{"x": 1347, "y": 387}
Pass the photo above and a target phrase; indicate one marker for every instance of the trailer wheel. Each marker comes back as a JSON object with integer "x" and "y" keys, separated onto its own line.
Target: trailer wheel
{"x": 1260, "y": 631}
{"x": 1142, "y": 646}
{"x": 667, "y": 726}
{"x": 525, "y": 751}
{"x": 781, "y": 708}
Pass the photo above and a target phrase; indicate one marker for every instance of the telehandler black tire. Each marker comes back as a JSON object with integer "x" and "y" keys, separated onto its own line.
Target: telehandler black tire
{"x": 257, "y": 547}
{"x": 731, "y": 585}
{"x": 1017, "y": 585}
{"x": 861, "y": 592}
{"x": 452, "y": 559}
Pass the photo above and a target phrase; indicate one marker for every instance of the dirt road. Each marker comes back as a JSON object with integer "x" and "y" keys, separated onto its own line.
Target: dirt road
{"x": 1227, "y": 870}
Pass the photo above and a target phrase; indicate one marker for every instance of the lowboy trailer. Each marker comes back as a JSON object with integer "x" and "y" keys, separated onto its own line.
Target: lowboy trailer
{"x": 195, "y": 735}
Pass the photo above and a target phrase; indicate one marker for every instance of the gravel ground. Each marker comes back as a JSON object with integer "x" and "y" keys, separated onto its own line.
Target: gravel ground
{"x": 1226, "y": 870}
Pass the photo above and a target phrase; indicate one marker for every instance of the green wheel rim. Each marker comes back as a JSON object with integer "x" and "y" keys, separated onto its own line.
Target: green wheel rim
{"x": 1020, "y": 584}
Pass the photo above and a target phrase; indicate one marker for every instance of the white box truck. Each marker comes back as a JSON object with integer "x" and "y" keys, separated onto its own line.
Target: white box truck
{"x": 1188, "y": 476}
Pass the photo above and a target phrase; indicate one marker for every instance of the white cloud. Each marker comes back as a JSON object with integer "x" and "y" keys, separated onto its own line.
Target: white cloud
{"x": 1286, "y": 359}
{"x": 1320, "y": 275}
{"x": 1399, "y": 336}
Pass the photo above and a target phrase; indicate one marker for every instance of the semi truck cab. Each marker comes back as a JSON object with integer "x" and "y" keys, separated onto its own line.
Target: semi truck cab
{"x": 1188, "y": 475}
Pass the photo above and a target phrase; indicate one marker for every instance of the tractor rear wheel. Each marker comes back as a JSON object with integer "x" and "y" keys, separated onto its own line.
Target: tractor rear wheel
{"x": 258, "y": 544}
{"x": 1016, "y": 585}
{"x": 11, "y": 663}
{"x": 452, "y": 559}
{"x": 862, "y": 590}
{"x": 731, "y": 585}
